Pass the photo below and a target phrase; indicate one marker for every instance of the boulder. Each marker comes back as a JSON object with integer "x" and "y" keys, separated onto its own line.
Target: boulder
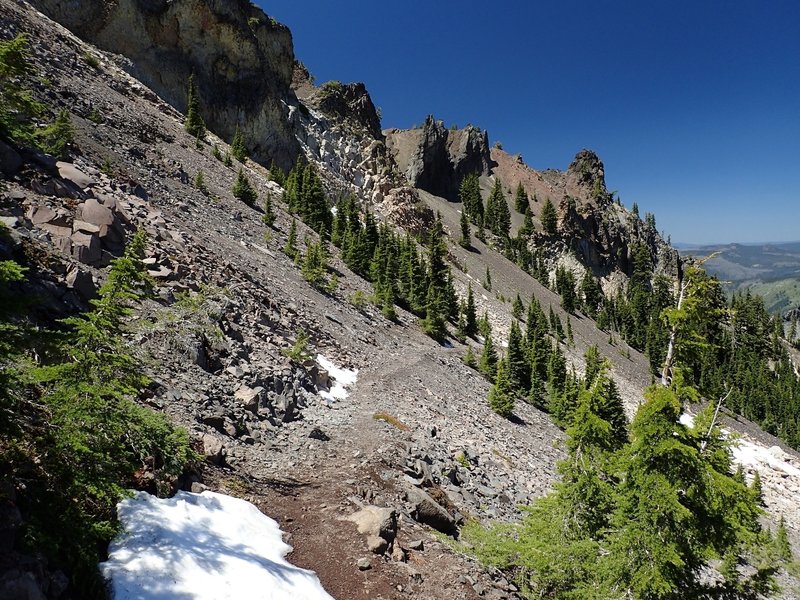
{"x": 86, "y": 247}
{"x": 38, "y": 215}
{"x": 249, "y": 398}
{"x": 213, "y": 449}
{"x": 72, "y": 173}
{"x": 426, "y": 510}
{"x": 378, "y": 524}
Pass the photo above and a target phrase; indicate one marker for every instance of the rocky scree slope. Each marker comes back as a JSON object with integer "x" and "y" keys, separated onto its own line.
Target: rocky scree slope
{"x": 414, "y": 437}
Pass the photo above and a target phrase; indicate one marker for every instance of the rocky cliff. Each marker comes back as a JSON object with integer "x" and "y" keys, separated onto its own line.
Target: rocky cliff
{"x": 436, "y": 159}
{"x": 241, "y": 58}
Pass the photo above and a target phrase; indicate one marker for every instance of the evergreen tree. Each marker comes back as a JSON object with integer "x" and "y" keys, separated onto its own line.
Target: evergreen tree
{"x": 290, "y": 249}
{"x": 200, "y": 183}
{"x": 498, "y": 217}
{"x": 18, "y": 109}
{"x": 238, "y": 146}
{"x": 487, "y": 280}
{"x": 268, "y": 218}
{"x": 527, "y": 224}
{"x": 565, "y": 286}
{"x": 58, "y": 137}
{"x": 243, "y": 190}
{"x": 521, "y": 203}
{"x": 488, "y": 361}
{"x": 501, "y": 394}
{"x": 194, "y": 124}
{"x": 549, "y": 218}
{"x": 517, "y": 309}
{"x": 464, "y": 240}
{"x": 519, "y": 369}
{"x": 782, "y": 546}
{"x": 469, "y": 358}
{"x": 469, "y": 193}
{"x": 470, "y": 319}
{"x": 276, "y": 174}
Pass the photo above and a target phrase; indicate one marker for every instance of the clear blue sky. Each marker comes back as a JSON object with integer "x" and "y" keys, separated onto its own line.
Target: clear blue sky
{"x": 694, "y": 106}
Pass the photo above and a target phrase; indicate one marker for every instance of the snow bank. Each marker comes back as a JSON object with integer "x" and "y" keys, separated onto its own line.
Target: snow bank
{"x": 755, "y": 456}
{"x": 342, "y": 379}
{"x": 202, "y": 546}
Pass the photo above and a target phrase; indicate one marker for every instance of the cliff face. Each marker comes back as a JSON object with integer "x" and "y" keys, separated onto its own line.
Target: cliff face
{"x": 242, "y": 60}
{"x": 436, "y": 159}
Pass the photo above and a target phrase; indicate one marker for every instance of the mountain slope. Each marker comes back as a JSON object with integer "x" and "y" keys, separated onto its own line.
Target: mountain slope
{"x": 415, "y": 433}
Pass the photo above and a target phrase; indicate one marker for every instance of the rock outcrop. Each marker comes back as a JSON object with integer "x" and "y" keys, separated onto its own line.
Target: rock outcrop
{"x": 241, "y": 58}
{"x": 436, "y": 159}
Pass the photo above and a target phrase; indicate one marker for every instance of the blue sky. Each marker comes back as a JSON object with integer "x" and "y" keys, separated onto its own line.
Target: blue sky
{"x": 694, "y": 106}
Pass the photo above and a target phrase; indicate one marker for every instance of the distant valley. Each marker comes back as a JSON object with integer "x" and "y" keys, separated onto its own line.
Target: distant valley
{"x": 769, "y": 270}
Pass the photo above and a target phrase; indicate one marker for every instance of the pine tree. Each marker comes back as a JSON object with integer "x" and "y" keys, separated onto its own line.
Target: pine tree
{"x": 501, "y": 394}
{"x": 469, "y": 358}
{"x": 782, "y": 546}
{"x": 488, "y": 361}
{"x": 527, "y": 224}
{"x": 470, "y": 319}
{"x": 519, "y": 369}
{"x": 268, "y": 218}
{"x": 498, "y": 218}
{"x": 290, "y": 249}
{"x": 194, "y": 124}
{"x": 487, "y": 280}
{"x": 200, "y": 183}
{"x": 243, "y": 190}
{"x": 517, "y": 309}
{"x": 521, "y": 203}
{"x": 469, "y": 193}
{"x": 464, "y": 240}
{"x": 238, "y": 146}
{"x": 549, "y": 218}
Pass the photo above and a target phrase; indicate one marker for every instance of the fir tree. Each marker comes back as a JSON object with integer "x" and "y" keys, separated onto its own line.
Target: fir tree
{"x": 238, "y": 146}
{"x": 290, "y": 249}
{"x": 470, "y": 319}
{"x": 519, "y": 370}
{"x": 487, "y": 280}
{"x": 521, "y": 203}
{"x": 549, "y": 218}
{"x": 501, "y": 394}
{"x": 498, "y": 218}
{"x": 268, "y": 218}
{"x": 469, "y": 358}
{"x": 488, "y": 361}
{"x": 469, "y": 193}
{"x": 517, "y": 309}
{"x": 527, "y": 224}
{"x": 200, "y": 183}
{"x": 243, "y": 190}
{"x": 464, "y": 240}
{"x": 194, "y": 124}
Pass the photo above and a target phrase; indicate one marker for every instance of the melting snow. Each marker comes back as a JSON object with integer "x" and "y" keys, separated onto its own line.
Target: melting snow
{"x": 202, "y": 546}
{"x": 755, "y": 456}
{"x": 342, "y": 379}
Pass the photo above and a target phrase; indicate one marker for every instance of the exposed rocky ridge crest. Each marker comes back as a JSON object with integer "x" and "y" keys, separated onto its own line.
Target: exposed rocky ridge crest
{"x": 436, "y": 159}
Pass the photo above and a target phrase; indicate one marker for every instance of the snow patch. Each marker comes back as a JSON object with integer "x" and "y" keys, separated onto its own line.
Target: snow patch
{"x": 202, "y": 546}
{"x": 342, "y": 379}
{"x": 755, "y": 456}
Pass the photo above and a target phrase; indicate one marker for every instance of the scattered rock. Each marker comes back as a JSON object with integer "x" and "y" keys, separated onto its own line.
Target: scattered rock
{"x": 363, "y": 564}
{"x": 426, "y": 510}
